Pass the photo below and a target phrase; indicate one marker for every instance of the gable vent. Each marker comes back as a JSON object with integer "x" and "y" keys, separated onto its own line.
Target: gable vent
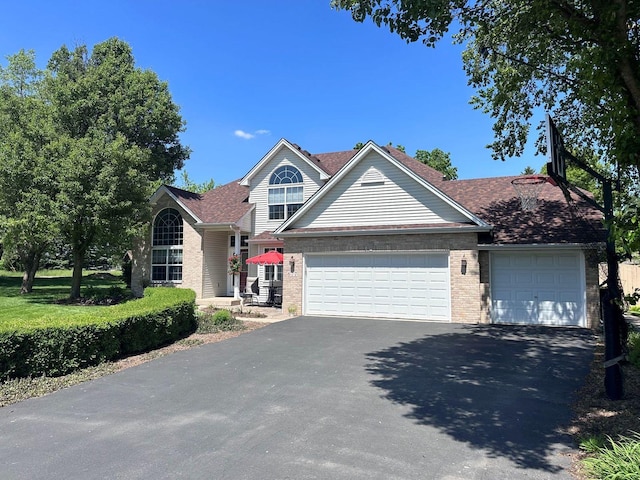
{"x": 373, "y": 176}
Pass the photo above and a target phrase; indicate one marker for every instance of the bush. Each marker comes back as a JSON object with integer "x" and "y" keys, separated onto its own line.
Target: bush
{"x": 617, "y": 460}
{"x": 634, "y": 348}
{"x": 212, "y": 321}
{"x": 59, "y": 347}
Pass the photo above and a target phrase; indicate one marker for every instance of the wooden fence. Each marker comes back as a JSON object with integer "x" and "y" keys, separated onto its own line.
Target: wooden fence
{"x": 629, "y": 276}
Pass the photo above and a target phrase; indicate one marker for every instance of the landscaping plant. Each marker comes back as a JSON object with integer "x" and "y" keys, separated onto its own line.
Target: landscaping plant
{"x": 616, "y": 460}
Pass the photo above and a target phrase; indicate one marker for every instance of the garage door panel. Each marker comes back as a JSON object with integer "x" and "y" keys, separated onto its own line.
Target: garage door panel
{"x": 412, "y": 286}
{"x": 567, "y": 261}
{"x": 544, "y": 261}
{"x": 550, "y": 291}
{"x": 545, "y": 278}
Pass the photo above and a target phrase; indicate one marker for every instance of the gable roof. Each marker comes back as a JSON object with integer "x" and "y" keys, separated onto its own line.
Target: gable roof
{"x": 226, "y": 204}
{"x": 492, "y": 200}
{"x": 332, "y": 162}
{"x": 183, "y": 198}
{"x": 295, "y": 149}
{"x": 350, "y": 165}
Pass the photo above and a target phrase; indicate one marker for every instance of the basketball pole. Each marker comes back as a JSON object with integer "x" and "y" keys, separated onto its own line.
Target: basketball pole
{"x": 611, "y": 309}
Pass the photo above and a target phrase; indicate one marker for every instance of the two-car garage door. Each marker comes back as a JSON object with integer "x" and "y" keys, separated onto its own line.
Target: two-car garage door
{"x": 543, "y": 288}
{"x": 380, "y": 285}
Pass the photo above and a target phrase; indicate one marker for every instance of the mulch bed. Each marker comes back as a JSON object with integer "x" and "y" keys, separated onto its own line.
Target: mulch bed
{"x": 597, "y": 416}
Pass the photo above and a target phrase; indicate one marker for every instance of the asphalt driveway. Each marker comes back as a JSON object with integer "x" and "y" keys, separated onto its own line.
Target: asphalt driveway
{"x": 317, "y": 398}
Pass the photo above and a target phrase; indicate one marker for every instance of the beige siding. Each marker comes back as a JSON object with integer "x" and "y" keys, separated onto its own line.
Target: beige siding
{"x": 260, "y": 187}
{"x": 215, "y": 264}
{"x": 399, "y": 200}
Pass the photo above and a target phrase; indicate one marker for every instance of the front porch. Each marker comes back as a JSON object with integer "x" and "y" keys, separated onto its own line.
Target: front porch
{"x": 224, "y": 302}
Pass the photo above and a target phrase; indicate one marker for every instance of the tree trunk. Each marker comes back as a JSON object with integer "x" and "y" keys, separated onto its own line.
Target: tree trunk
{"x": 31, "y": 264}
{"x": 76, "y": 278}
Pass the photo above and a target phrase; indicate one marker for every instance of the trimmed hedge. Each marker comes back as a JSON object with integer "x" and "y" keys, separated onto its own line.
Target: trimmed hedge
{"x": 161, "y": 316}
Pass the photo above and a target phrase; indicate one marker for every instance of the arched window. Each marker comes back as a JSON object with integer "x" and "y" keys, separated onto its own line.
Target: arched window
{"x": 285, "y": 197}
{"x": 166, "y": 253}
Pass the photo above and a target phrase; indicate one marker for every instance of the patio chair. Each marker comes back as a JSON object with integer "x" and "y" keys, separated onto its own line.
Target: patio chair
{"x": 251, "y": 293}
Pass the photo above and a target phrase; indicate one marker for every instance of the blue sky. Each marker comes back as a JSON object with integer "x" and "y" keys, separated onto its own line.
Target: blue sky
{"x": 246, "y": 74}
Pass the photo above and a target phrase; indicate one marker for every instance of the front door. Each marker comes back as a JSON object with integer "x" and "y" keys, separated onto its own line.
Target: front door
{"x": 244, "y": 254}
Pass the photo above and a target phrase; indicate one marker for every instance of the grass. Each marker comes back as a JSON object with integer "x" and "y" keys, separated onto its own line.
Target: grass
{"x": 49, "y": 288}
{"x": 615, "y": 459}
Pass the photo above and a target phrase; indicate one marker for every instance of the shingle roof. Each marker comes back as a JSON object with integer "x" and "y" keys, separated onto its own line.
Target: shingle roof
{"x": 225, "y": 204}
{"x": 332, "y": 162}
{"x": 493, "y": 200}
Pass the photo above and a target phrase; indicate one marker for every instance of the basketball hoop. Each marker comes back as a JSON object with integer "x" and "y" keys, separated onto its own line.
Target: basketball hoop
{"x": 528, "y": 188}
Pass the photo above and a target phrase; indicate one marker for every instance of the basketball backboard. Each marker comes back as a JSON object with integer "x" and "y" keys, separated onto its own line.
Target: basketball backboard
{"x": 556, "y": 166}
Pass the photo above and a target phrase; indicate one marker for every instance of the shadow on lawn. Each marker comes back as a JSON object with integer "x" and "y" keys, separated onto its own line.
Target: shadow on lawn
{"x": 503, "y": 389}
{"x": 51, "y": 289}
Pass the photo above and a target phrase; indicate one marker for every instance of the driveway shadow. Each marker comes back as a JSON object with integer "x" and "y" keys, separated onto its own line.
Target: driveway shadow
{"x": 503, "y": 389}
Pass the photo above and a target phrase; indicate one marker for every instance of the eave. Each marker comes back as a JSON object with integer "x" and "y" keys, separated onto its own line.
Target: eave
{"x": 386, "y": 230}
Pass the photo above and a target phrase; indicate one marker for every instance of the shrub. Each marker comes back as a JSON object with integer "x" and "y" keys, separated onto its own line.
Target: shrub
{"x": 212, "y": 321}
{"x": 634, "y": 348}
{"x": 616, "y": 460}
{"x": 56, "y": 347}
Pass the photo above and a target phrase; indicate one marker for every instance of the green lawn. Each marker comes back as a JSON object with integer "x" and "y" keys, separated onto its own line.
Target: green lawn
{"x": 49, "y": 287}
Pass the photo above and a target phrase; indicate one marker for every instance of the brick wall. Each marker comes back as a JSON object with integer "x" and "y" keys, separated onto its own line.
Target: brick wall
{"x": 140, "y": 264}
{"x": 192, "y": 258}
{"x": 484, "y": 261}
{"x": 470, "y": 291}
{"x": 192, "y": 251}
{"x": 593, "y": 289}
{"x": 465, "y": 287}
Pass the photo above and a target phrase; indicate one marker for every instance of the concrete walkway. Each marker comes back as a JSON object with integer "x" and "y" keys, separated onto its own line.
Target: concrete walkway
{"x": 317, "y": 398}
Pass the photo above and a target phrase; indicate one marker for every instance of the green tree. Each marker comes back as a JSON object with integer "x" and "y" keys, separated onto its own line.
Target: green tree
{"x": 439, "y": 160}
{"x": 187, "y": 184}
{"x": 398, "y": 147}
{"x": 528, "y": 171}
{"x": 578, "y": 60}
{"x": 117, "y": 134}
{"x": 27, "y": 191}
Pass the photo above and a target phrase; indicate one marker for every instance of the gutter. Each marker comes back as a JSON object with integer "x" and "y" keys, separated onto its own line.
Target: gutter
{"x": 386, "y": 231}
{"x": 539, "y": 246}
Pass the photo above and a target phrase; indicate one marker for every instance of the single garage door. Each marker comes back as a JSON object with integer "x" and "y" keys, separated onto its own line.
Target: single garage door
{"x": 538, "y": 288}
{"x": 401, "y": 285}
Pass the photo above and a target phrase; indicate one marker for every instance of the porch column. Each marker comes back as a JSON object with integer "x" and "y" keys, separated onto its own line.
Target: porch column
{"x": 236, "y": 278}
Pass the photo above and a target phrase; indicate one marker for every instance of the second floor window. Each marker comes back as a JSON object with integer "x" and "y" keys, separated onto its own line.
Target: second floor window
{"x": 286, "y": 195}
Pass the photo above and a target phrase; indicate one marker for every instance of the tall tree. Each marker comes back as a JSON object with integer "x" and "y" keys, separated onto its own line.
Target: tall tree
{"x": 578, "y": 60}
{"x": 187, "y": 184}
{"x": 439, "y": 160}
{"x": 117, "y": 134}
{"x": 27, "y": 211}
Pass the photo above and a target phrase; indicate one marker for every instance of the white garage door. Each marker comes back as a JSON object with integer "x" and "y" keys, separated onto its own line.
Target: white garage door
{"x": 538, "y": 288}
{"x": 409, "y": 286}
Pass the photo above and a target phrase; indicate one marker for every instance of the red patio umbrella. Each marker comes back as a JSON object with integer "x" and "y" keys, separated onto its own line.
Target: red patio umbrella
{"x": 272, "y": 257}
